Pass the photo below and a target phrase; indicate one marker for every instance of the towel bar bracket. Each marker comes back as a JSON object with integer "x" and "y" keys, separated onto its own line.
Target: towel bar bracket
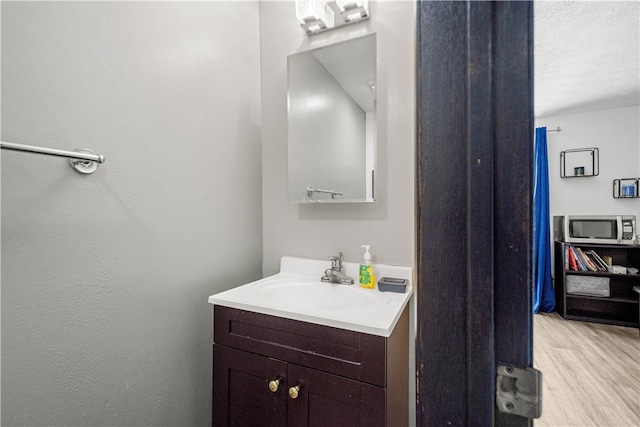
{"x": 81, "y": 165}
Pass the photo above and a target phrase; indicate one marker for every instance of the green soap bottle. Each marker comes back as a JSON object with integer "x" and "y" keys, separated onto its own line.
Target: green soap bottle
{"x": 367, "y": 278}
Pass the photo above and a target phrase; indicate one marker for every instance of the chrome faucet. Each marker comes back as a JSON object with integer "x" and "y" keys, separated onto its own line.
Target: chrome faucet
{"x": 334, "y": 274}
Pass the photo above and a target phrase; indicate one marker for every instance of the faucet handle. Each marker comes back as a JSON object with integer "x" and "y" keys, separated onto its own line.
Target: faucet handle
{"x": 336, "y": 262}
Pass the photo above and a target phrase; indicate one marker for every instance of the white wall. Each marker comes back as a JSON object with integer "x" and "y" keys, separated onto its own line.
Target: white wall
{"x": 318, "y": 231}
{"x": 616, "y": 133}
{"x": 105, "y": 278}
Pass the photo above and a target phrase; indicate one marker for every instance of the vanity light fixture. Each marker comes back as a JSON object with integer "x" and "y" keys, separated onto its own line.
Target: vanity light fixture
{"x": 353, "y": 10}
{"x": 314, "y": 15}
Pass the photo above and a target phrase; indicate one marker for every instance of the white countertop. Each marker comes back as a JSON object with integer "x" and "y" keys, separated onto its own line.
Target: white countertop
{"x": 297, "y": 293}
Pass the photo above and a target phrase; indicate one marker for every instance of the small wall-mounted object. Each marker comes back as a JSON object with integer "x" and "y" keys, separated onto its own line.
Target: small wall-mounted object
{"x": 316, "y": 16}
{"x": 579, "y": 163}
{"x": 625, "y": 188}
{"x": 333, "y": 193}
{"x": 82, "y": 160}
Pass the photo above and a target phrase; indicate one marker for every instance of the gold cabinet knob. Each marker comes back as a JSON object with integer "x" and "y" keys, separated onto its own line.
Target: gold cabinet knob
{"x": 274, "y": 384}
{"x": 293, "y": 391}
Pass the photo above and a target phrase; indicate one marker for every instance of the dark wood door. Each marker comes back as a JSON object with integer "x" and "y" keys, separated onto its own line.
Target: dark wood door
{"x": 241, "y": 394}
{"x": 474, "y": 191}
{"x": 329, "y": 400}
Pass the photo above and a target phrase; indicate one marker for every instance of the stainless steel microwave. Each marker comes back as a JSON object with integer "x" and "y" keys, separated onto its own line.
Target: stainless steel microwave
{"x": 606, "y": 229}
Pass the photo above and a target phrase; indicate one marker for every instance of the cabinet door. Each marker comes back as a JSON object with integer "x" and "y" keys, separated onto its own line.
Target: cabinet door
{"x": 241, "y": 394}
{"x": 329, "y": 400}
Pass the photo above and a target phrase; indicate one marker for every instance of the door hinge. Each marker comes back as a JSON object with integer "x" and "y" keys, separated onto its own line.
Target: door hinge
{"x": 519, "y": 391}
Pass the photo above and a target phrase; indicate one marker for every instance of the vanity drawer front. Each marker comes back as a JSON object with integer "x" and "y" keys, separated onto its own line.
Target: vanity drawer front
{"x": 350, "y": 354}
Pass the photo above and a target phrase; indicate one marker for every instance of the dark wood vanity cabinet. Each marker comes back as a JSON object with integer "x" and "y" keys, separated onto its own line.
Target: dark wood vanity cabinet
{"x": 239, "y": 387}
{"x": 271, "y": 371}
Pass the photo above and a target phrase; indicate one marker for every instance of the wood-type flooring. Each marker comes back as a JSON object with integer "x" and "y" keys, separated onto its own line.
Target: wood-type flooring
{"x": 591, "y": 373}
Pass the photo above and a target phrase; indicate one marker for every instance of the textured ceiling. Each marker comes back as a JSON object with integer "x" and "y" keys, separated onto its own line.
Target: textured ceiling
{"x": 587, "y": 56}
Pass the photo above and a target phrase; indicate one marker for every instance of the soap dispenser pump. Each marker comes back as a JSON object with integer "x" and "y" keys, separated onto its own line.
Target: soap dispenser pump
{"x": 367, "y": 277}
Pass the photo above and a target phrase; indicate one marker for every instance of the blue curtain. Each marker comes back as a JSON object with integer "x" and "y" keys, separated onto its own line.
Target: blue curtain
{"x": 543, "y": 296}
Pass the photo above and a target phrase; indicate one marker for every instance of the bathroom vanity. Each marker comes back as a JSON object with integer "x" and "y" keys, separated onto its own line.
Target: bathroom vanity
{"x": 301, "y": 360}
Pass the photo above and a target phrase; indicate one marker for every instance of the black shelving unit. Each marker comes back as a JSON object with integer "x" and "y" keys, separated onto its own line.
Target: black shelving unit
{"x": 620, "y": 308}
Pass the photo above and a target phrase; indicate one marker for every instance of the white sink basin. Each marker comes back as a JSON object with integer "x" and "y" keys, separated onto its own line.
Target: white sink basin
{"x": 320, "y": 295}
{"x": 297, "y": 293}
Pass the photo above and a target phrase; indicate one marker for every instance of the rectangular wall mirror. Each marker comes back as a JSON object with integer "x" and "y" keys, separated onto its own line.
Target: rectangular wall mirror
{"x": 332, "y": 123}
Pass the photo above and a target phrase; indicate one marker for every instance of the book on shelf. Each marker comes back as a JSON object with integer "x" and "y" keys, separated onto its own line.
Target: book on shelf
{"x": 581, "y": 266}
{"x": 599, "y": 262}
{"x": 585, "y": 260}
{"x": 573, "y": 264}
